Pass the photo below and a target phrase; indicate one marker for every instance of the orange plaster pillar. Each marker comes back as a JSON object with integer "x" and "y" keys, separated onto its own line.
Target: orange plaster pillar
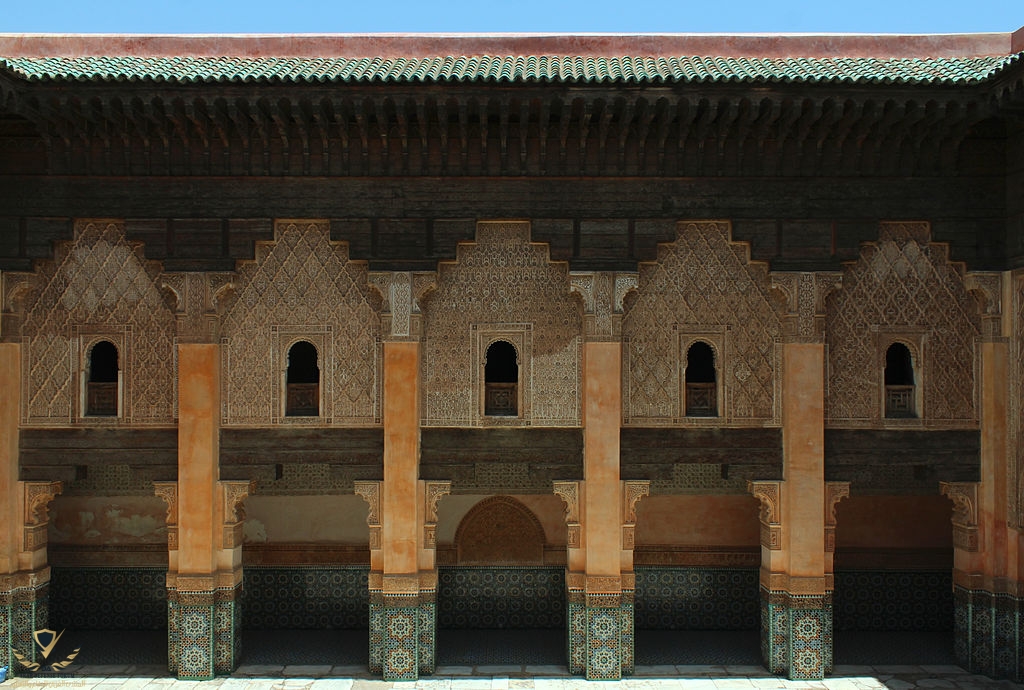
{"x": 602, "y": 375}
{"x": 987, "y": 595}
{"x": 396, "y": 608}
{"x": 10, "y": 404}
{"x": 803, "y": 444}
{"x": 603, "y": 606}
{"x": 993, "y": 506}
{"x": 796, "y": 588}
{"x": 193, "y": 592}
{"x": 198, "y": 457}
{"x": 24, "y": 573}
{"x": 399, "y": 533}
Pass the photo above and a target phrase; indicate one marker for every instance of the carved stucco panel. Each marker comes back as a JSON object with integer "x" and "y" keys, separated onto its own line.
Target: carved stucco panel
{"x": 302, "y": 280}
{"x": 701, "y": 278}
{"x": 98, "y": 285}
{"x": 902, "y": 283}
{"x": 501, "y": 278}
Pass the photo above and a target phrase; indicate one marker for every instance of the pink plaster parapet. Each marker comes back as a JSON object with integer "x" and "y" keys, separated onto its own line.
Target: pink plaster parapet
{"x": 586, "y": 45}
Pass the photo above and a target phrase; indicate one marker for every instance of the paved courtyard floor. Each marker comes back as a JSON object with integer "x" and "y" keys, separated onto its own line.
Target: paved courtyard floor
{"x": 512, "y": 677}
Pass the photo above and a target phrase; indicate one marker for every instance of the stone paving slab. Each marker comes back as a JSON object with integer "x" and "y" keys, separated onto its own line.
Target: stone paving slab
{"x": 511, "y": 677}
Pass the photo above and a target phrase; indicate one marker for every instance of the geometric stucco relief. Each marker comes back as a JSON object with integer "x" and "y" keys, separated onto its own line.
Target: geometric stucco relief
{"x": 98, "y": 286}
{"x": 904, "y": 289}
{"x": 502, "y": 287}
{"x": 301, "y": 286}
{"x": 703, "y": 287}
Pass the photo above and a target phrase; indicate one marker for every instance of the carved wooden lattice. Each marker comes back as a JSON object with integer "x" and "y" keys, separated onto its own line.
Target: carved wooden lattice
{"x": 701, "y": 280}
{"x": 98, "y": 285}
{"x": 903, "y": 283}
{"x": 502, "y": 278}
{"x": 302, "y": 283}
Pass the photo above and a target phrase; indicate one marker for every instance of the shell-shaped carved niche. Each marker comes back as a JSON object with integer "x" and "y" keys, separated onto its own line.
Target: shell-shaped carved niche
{"x": 97, "y": 287}
{"x": 500, "y": 530}
{"x": 302, "y": 287}
{"x": 703, "y": 287}
{"x": 902, "y": 289}
{"x": 502, "y": 287}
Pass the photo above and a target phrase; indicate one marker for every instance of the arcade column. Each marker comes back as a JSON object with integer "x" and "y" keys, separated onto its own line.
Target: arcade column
{"x": 24, "y": 572}
{"x": 796, "y": 584}
{"x": 204, "y": 577}
{"x": 987, "y": 577}
{"x": 600, "y": 598}
{"x": 403, "y": 579}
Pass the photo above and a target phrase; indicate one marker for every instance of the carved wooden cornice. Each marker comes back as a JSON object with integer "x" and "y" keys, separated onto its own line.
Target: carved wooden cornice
{"x": 498, "y": 130}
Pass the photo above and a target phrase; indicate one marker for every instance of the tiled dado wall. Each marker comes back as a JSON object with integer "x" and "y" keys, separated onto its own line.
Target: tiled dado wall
{"x": 305, "y": 597}
{"x": 676, "y": 598}
{"x": 893, "y": 600}
{"x": 501, "y": 597}
{"x": 108, "y": 598}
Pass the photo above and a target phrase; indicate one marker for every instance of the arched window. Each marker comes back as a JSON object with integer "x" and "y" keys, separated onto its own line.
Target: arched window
{"x": 101, "y": 385}
{"x": 900, "y": 391}
{"x": 501, "y": 380}
{"x": 302, "y": 381}
{"x": 701, "y": 381}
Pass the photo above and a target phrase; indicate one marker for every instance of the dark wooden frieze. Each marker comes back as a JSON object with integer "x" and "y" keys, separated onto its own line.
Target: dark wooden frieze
{"x": 71, "y": 454}
{"x": 652, "y": 452}
{"x": 501, "y": 460}
{"x": 902, "y": 461}
{"x": 282, "y": 445}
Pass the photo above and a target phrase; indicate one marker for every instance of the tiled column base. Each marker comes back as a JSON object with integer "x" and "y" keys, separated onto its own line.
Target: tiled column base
{"x": 796, "y": 634}
{"x": 202, "y": 633}
{"x": 403, "y": 635}
{"x": 22, "y": 611}
{"x": 988, "y": 634}
{"x": 601, "y": 635}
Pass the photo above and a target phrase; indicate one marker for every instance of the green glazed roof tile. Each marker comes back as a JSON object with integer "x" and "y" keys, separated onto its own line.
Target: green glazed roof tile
{"x": 510, "y": 69}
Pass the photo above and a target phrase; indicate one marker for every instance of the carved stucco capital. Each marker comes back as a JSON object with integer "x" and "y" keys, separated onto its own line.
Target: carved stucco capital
{"x": 370, "y": 492}
{"x": 433, "y": 492}
{"x": 834, "y": 492}
{"x": 37, "y": 500}
{"x": 235, "y": 492}
{"x": 964, "y": 496}
{"x": 770, "y": 496}
{"x": 632, "y": 492}
{"x": 168, "y": 491}
{"x": 569, "y": 492}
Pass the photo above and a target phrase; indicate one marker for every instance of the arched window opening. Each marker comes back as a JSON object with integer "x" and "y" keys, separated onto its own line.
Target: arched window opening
{"x": 101, "y": 387}
{"x": 501, "y": 380}
{"x": 900, "y": 391}
{"x": 302, "y": 381}
{"x": 701, "y": 381}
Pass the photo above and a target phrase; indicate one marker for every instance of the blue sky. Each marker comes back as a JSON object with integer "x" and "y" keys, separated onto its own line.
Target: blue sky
{"x": 618, "y": 16}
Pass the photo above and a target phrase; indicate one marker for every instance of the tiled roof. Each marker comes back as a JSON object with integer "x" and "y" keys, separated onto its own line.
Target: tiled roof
{"x": 514, "y": 68}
